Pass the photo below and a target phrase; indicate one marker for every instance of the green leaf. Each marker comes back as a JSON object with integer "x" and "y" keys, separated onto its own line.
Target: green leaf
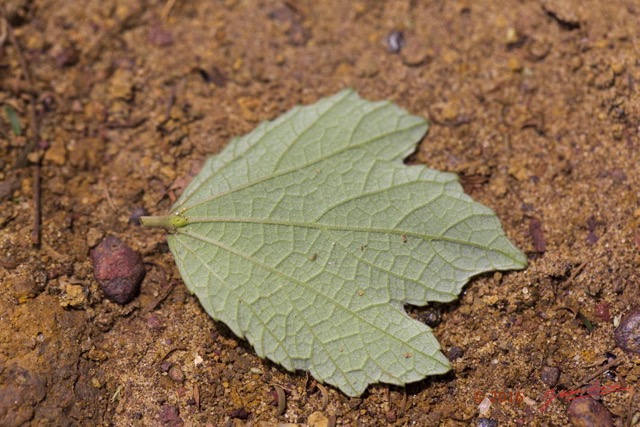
{"x": 308, "y": 236}
{"x": 14, "y": 120}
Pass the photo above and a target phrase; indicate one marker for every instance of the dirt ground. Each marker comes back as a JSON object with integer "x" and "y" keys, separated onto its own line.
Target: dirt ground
{"x": 534, "y": 104}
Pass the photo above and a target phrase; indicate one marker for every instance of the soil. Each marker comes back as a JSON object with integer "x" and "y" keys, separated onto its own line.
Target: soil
{"x": 534, "y": 104}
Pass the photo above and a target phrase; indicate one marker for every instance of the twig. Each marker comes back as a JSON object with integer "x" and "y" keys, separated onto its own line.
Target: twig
{"x": 629, "y": 415}
{"x": 403, "y": 405}
{"x": 166, "y": 10}
{"x": 325, "y": 396}
{"x": 37, "y": 206}
{"x": 3, "y": 31}
{"x": 600, "y": 371}
{"x": 33, "y": 125}
{"x": 282, "y": 400}
{"x": 109, "y": 199}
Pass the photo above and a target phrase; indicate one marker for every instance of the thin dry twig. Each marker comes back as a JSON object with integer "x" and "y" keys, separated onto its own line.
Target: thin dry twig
{"x": 107, "y": 195}
{"x": 26, "y": 71}
{"x": 600, "y": 371}
{"x": 403, "y": 404}
{"x": 37, "y": 205}
{"x": 3, "y": 31}
{"x": 33, "y": 125}
{"x": 282, "y": 399}
{"x": 630, "y": 407}
{"x": 325, "y": 396}
{"x": 166, "y": 10}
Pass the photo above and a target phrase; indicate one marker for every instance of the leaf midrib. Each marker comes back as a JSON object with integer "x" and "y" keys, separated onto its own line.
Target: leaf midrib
{"x": 345, "y": 228}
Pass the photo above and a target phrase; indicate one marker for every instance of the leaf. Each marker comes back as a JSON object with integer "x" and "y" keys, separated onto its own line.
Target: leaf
{"x": 308, "y": 236}
{"x": 14, "y": 120}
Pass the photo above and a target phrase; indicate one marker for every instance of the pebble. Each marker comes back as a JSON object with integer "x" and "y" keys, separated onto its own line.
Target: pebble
{"x": 395, "y": 41}
{"x": 586, "y": 412}
{"x": 175, "y": 373}
{"x": 241, "y": 414}
{"x": 627, "y": 334}
{"x": 27, "y": 286}
{"x": 118, "y": 269}
{"x": 170, "y": 416}
{"x": 487, "y": 422}
{"x": 602, "y": 312}
{"x": 318, "y": 419}
{"x": 431, "y": 317}
{"x": 550, "y": 375}
{"x": 455, "y": 353}
{"x": 391, "y": 416}
{"x": 74, "y": 295}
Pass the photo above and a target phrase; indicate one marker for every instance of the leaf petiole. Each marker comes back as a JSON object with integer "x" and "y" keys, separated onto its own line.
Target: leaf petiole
{"x": 168, "y": 222}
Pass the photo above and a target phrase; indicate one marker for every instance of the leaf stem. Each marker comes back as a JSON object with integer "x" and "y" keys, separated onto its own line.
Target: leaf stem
{"x": 168, "y": 222}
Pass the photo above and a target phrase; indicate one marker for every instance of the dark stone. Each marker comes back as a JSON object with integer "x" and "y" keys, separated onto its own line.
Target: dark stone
{"x": 550, "y": 375}
{"x": 240, "y": 414}
{"x": 455, "y": 353}
{"x": 487, "y": 422}
{"x": 170, "y": 416}
{"x": 118, "y": 269}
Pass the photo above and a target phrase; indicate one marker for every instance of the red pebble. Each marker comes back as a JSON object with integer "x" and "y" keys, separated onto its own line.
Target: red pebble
{"x": 118, "y": 269}
{"x": 602, "y": 312}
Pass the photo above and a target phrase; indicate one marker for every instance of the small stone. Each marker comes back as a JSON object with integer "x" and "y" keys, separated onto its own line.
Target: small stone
{"x": 512, "y": 37}
{"x": 74, "y": 295}
{"x": 602, "y": 312}
{"x": 158, "y": 36}
{"x": 155, "y": 323}
{"x": 120, "y": 85}
{"x": 586, "y": 412}
{"x": 318, "y": 419}
{"x": 550, "y": 375}
{"x": 391, "y": 416}
{"x": 514, "y": 64}
{"x": 455, "y": 353}
{"x": 118, "y": 269}
{"x": 487, "y": 422}
{"x": 618, "y": 68}
{"x": 26, "y": 286}
{"x": 431, "y": 317}
{"x": 57, "y": 153}
{"x": 240, "y": 413}
{"x": 367, "y": 65}
{"x": 94, "y": 236}
{"x": 395, "y": 41}
{"x": 627, "y": 334}
{"x": 170, "y": 416}
{"x": 64, "y": 55}
{"x": 175, "y": 373}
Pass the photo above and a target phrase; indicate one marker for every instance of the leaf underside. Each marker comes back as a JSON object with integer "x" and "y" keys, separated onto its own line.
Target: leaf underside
{"x": 308, "y": 236}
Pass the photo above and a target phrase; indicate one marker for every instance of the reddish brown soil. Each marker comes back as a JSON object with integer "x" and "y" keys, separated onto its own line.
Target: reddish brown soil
{"x": 535, "y": 104}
